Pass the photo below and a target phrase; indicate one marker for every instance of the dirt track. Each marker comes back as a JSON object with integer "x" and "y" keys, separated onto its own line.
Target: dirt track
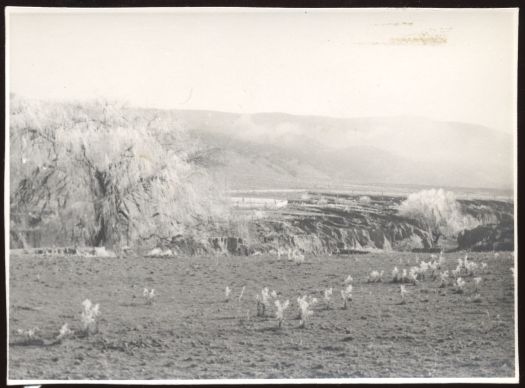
{"x": 191, "y": 332}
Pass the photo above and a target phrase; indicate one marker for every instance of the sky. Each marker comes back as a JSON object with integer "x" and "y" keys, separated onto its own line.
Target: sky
{"x": 450, "y": 65}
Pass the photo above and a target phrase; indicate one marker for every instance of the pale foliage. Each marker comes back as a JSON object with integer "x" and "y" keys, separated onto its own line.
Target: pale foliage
{"x": 264, "y": 300}
{"x": 64, "y": 332}
{"x": 109, "y": 171}
{"x": 305, "y": 312}
{"x": 149, "y": 295}
{"x": 375, "y": 277}
{"x": 438, "y": 210}
{"x": 403, "y": 293}
{"x": 327, "y": 294}
{"x": 346, "y": 295}
{"x": 280, "y": 308}
{"x": 89, "y": 316}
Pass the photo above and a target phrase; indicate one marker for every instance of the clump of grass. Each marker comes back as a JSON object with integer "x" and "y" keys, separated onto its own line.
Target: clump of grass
{"x": 413, "y": 275}
{"x": 327, "y": 295}
{"x": 89, "y": 316}
{"x": 375, "y": 277}
{"x": 346, "y": 295}
{"x": 304, "y": 308}
{"x": 148, "y": 295}
{"x": 279, "y": 313}
{"x": 396, "y": 278}
{"x": 444, "y": 279}
{"x": 404, "y": 276}
{"x": 64, "y": 332}
{"x": 263, "y": 301}
{"x": 29, "y": 334}
{"x": 477, "y": 282}
{"x": 403, "y": 293}
{"x": 460, "y": 285}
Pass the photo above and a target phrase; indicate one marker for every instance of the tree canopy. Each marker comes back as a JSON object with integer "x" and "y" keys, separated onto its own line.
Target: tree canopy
{"x": 101, "y": 173}
{"x": 437, "y": 210}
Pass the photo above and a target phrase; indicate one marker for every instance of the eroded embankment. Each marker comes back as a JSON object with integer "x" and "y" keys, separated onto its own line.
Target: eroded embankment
{"x": 335, "y": 224}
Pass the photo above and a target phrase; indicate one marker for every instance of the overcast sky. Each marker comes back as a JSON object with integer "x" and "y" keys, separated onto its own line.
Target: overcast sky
{"x": 455, "y": 65}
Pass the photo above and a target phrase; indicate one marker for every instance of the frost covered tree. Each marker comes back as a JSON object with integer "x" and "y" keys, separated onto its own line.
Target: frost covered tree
{"x": 104, "y": 174}
{"x": 438, "y": 211}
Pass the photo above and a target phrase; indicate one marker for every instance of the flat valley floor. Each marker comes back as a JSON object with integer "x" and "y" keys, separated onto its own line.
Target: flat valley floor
{"x": 190, "y": 331}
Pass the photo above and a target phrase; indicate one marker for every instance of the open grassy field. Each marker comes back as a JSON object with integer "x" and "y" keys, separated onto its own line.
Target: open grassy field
{"x": 190, "y": 331}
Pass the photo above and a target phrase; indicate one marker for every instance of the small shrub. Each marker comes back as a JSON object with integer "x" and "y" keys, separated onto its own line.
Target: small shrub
{"x": 327, "y": 295}
{"x": 263, "y": 301}
{"x": 477, "y": 282}
{"x": 460, "y": 285}
{"x": 395, "y": 275}
{"x": 149, "y": 295}
{"x": 444, "y": 279}
{"x": 279, "y": 313}
{"x": 346, "y": 295}
{"x": 404, "y": 276}
{"x": 64, "y": 332}
{"x": 375, "y": 277}
{"x": 89, "y": 316}
{"x": 28, "y": 334}
{"x": 304, "y": 308}
{"x": 414, "y": 275}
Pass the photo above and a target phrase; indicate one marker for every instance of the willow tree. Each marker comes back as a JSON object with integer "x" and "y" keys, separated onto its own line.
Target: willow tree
{"x": 112, "y": 172}
{"x": 438, "y": 211}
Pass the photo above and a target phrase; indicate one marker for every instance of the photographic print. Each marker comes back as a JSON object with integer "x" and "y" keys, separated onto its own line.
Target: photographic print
{"x": 249, "y": 195}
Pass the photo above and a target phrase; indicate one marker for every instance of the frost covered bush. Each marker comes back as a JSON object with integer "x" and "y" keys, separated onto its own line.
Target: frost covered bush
{"x": 89, "y": 316}
{"x": 365, "y": 199}
{"x": 444, "y": 279}
{"x": 438, "y": 211}
{"x": 460, "y": 285}
{"x": 28, "y": 334}
{"x": 103, "y": 172}
{"x": 264, "y": 301}
{"x": 64, "y": 332}
{"x": 396, "y": 278}
{"x": 305, "y": 312}
{"x": 346, "y": 295}
{"x": 375, "y": 277}
{"x": 148, "y": 295}
{"x": 279, "y": 313}
{"x": 327, "y": 295}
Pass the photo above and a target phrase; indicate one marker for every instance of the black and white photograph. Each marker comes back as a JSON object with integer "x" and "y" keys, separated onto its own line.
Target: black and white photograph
{"x": 261, "y": 195}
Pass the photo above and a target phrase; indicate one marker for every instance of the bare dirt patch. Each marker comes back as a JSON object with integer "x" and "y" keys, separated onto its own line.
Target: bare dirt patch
{"x": 191, "y": 332}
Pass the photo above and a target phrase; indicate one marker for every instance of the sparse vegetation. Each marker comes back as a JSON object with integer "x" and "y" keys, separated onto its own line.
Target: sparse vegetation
{"x": 89, "y": 316}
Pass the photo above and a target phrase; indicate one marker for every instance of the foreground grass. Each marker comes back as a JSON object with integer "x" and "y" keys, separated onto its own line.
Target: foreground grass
{"x": 191, "y": 332}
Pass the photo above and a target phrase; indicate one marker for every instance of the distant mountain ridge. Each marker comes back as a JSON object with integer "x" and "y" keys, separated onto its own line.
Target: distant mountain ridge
{"x": 264, "y": 150}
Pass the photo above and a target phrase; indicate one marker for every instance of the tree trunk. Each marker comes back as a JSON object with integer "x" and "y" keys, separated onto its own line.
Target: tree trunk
{"x": 99, "y": 190}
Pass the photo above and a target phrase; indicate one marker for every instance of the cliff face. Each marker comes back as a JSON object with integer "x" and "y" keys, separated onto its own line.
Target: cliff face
{"x": 329, "y": 224}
